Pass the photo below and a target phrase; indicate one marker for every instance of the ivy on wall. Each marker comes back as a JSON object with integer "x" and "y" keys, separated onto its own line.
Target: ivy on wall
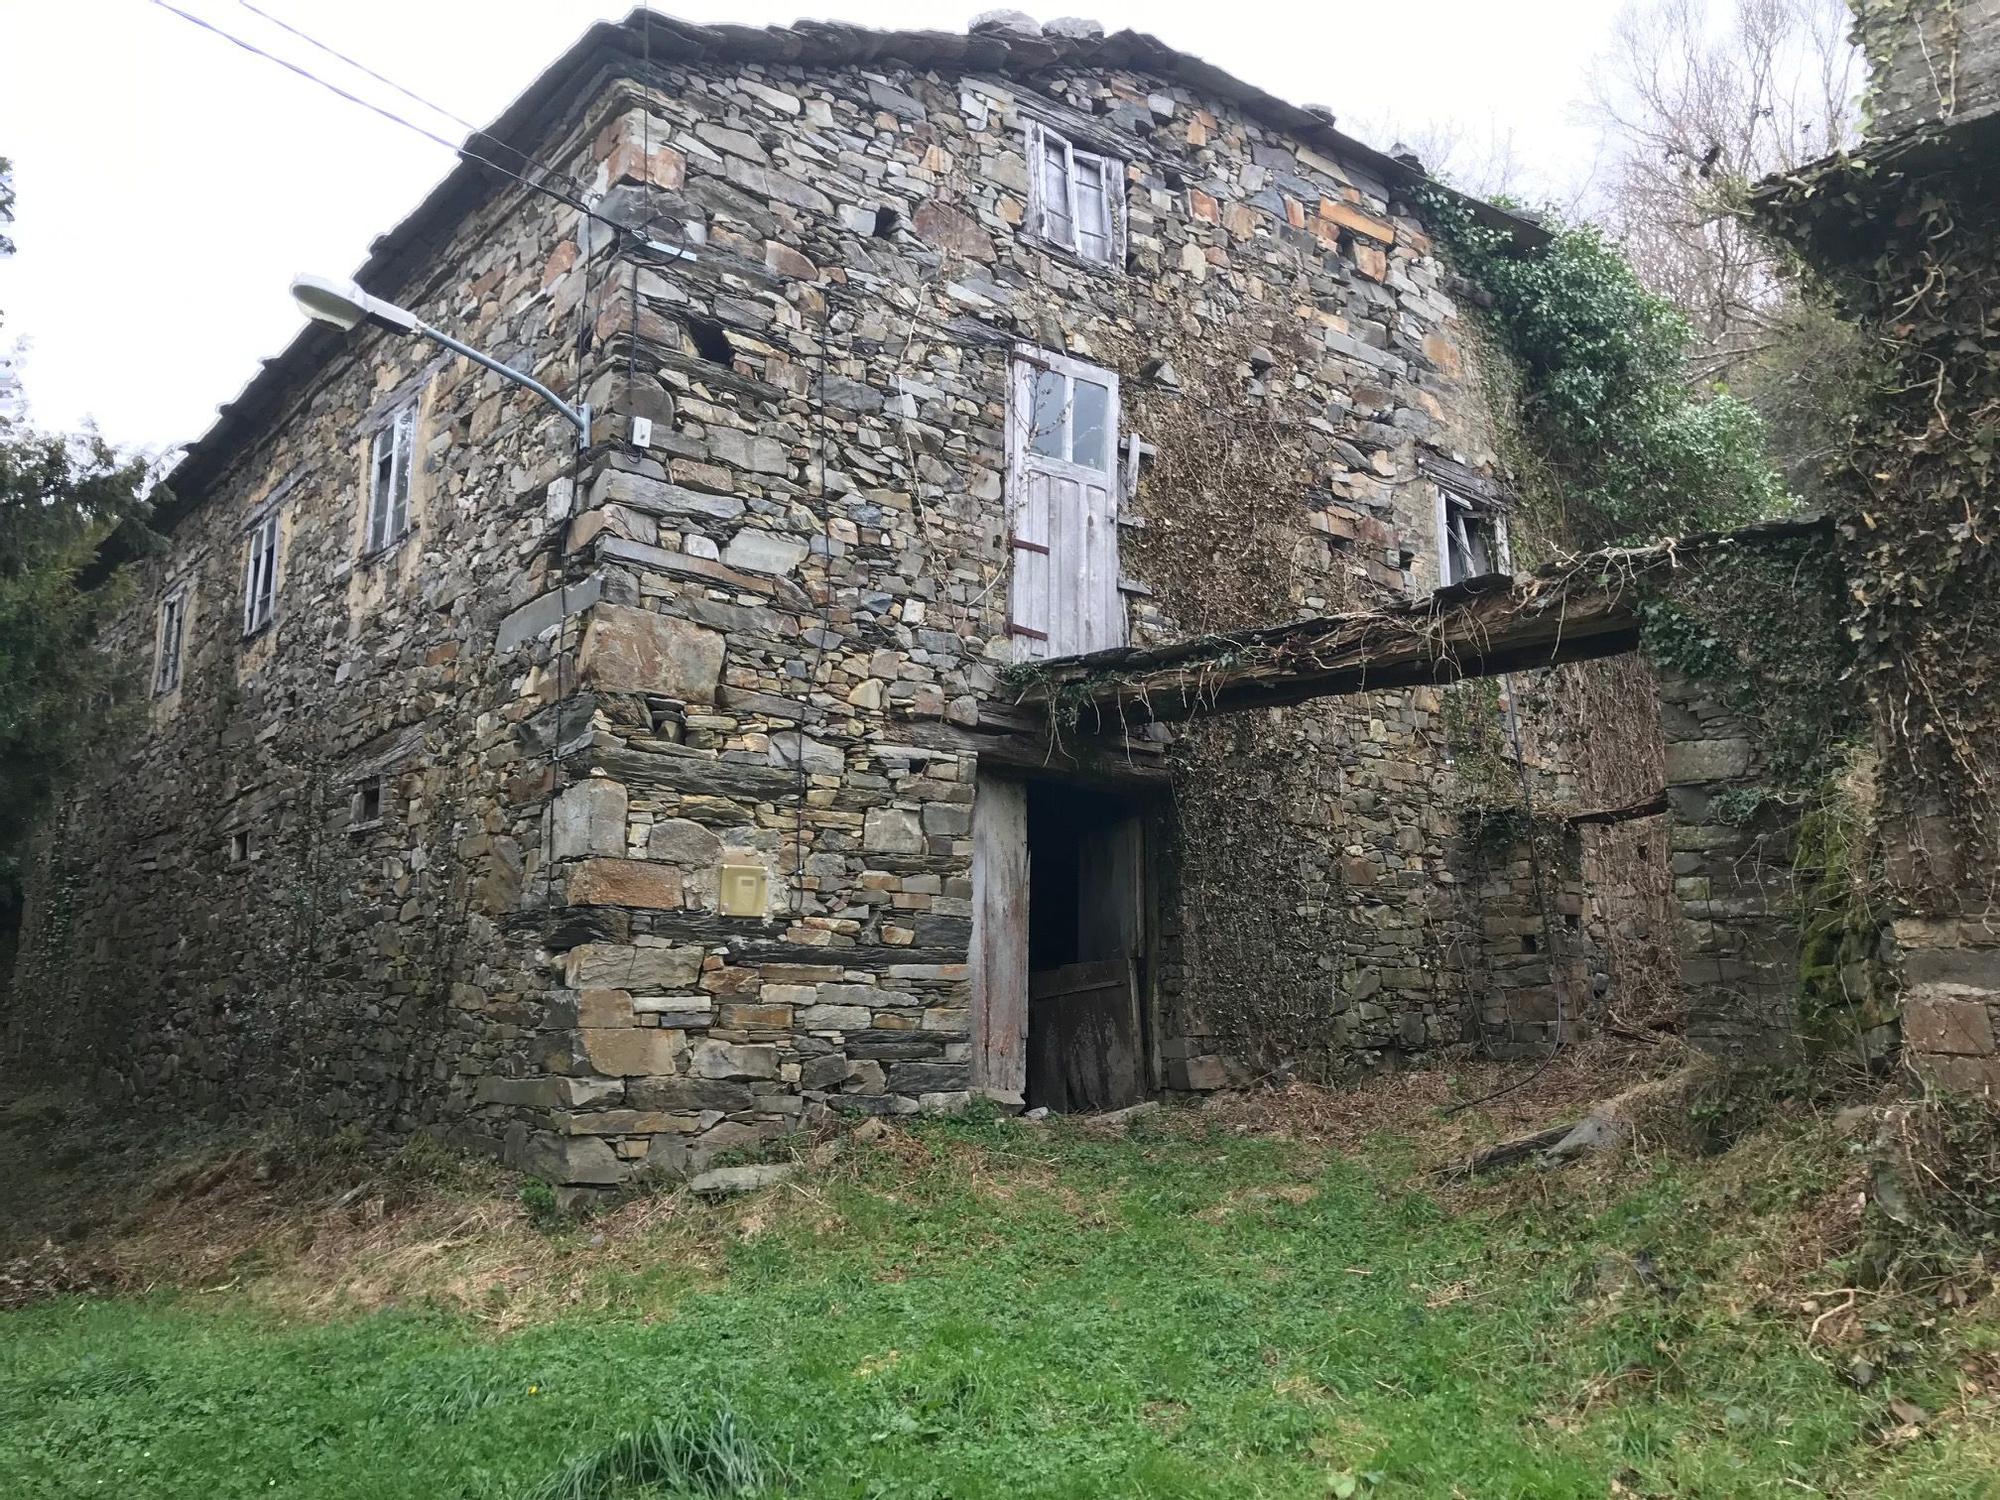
{"x": 1905, "y": 241}
{"x": 1762, "y": 627}
{"x": 1620, "y": 449}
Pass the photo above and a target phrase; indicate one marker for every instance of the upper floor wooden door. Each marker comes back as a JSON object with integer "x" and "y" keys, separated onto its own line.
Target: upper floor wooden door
{"x": 1062, "y": 499}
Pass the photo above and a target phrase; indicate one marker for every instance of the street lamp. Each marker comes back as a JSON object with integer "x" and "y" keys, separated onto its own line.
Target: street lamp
{"x": 345, "y": 305}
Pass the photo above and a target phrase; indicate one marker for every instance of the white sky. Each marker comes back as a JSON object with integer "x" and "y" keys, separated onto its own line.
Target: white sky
{"x": 171, "y": 185}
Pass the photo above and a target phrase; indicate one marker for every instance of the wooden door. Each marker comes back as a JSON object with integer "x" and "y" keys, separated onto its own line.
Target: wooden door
{"x": 1083, "y": 1045}
{"x": 999, "y": 955}
{"x": 1062, "y": 463}
{"x": 1086, "y": 1034}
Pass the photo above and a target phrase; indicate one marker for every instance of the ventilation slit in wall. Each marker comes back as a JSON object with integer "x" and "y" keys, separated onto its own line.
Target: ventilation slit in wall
{"x": 710, "y": 342}
{"x": 887, "y": 222}
{"x": 1530, "y": 943}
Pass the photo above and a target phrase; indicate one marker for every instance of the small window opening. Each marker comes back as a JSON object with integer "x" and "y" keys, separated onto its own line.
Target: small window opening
{"x": 710, "y": 342}
{"x": 1076, "y": 199}
{"x": 1530, "y": 943}
{"x": 1473, "y": 539}
{"x": 260, "y": 575}
{"x": 391, "y": 455}
{"x": 1572, "y": 921}
{"x": 239, "y": 846}
{"x": 173, "y": 632}
{"x": 1643, "y": 849}
{"x": 887, "y": 222}
{"x": 367, "y": 802}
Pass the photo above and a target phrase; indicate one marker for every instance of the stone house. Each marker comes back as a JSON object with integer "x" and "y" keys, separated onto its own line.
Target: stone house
{"x": 613, "y": 808}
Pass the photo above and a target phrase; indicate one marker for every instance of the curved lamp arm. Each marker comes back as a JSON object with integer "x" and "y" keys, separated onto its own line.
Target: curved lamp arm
{"x": 345, "y": 305}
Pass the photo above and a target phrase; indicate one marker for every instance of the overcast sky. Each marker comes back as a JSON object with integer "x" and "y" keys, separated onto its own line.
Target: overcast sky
{"x": 170, "y": 184}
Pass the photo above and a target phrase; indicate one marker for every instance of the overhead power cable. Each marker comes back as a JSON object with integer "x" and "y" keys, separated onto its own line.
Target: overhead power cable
{"x": 361, "y": 67}
{"x": 568, "y": 199}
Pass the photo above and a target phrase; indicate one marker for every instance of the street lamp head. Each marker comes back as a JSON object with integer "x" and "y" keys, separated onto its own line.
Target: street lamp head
{"x": 345, "y": 305}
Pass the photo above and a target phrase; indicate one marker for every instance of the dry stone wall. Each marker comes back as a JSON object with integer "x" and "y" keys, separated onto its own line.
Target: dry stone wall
{"x": 1734, "y": 880}
{"x": 1930, "y": 61}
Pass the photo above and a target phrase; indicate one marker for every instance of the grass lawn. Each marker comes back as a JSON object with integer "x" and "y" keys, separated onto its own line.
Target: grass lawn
{"x": 993, "y": 1309}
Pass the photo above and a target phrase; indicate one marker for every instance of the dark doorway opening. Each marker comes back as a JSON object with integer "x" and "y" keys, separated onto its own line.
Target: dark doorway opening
{"x": 1088, "y": 1014}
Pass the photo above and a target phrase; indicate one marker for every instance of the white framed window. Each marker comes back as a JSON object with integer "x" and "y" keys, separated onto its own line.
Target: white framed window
{"x": 260, "y": 574}
{"x": 1472, "y": 538}
{"x": 390, "y": 458}
{"x": 173, "y": 635}
{"x": 1076, "y": 199}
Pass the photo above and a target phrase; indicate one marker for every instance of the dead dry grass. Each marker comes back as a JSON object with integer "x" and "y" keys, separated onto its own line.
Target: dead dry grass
{"x": 318, "y": 1234}
{"x": 1424, "y": 1106}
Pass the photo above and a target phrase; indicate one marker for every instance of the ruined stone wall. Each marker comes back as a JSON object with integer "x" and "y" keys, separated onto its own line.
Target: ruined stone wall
{"x": 215, "y": 923}
{"x": 1734, "y": 880}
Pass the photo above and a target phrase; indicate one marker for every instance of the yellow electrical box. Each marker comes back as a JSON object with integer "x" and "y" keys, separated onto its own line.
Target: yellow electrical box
{"x": 744, "y": 889}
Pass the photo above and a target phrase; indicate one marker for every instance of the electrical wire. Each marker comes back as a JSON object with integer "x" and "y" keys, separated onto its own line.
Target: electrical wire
{"x": 361, "y": 67}
{"x": 568, "y": 199}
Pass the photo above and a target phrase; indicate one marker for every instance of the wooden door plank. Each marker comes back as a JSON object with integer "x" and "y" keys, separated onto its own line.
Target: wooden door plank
{"x": 999, "y": 950}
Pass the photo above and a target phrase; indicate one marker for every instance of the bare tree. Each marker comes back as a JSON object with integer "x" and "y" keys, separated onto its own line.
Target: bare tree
{"x": 1699, "y": 99}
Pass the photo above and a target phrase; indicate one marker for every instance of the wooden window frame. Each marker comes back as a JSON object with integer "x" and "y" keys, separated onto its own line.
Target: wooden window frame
{"x": 369, "y": 805}
{"x": 1453, "y": 508}
{"x": 1041, "y": 139}
{"x": 1024, "y": 364}
{"x": 389, "y": 504}
{"x": 173, "y": 641}
{"x": 260, "y": 574}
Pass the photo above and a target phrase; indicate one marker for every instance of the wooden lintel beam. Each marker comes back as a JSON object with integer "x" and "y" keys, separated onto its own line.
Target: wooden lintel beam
{"x": 1181, "y": 696}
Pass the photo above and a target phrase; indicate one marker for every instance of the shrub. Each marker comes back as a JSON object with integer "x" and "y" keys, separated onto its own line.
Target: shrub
{"x": 1603, "y": 395}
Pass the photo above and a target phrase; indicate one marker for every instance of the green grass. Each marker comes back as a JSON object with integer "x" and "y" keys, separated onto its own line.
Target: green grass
{"x": 1168, "y": 1315}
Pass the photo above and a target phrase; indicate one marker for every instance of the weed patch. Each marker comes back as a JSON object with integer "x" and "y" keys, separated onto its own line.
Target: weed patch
{"x": 699, "y": 1457}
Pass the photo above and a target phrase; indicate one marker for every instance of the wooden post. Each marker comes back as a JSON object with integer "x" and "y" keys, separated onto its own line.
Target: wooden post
{"x": 999, "y": 956}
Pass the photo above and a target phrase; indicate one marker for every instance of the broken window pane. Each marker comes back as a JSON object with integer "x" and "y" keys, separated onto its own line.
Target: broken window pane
{"x": 1051, "y": 396}
{"x": 389, "y": 480}
{"x": 260, "y": 575}
{"x": 1471, "y": 540}
{"x": 1091, "y": 442}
